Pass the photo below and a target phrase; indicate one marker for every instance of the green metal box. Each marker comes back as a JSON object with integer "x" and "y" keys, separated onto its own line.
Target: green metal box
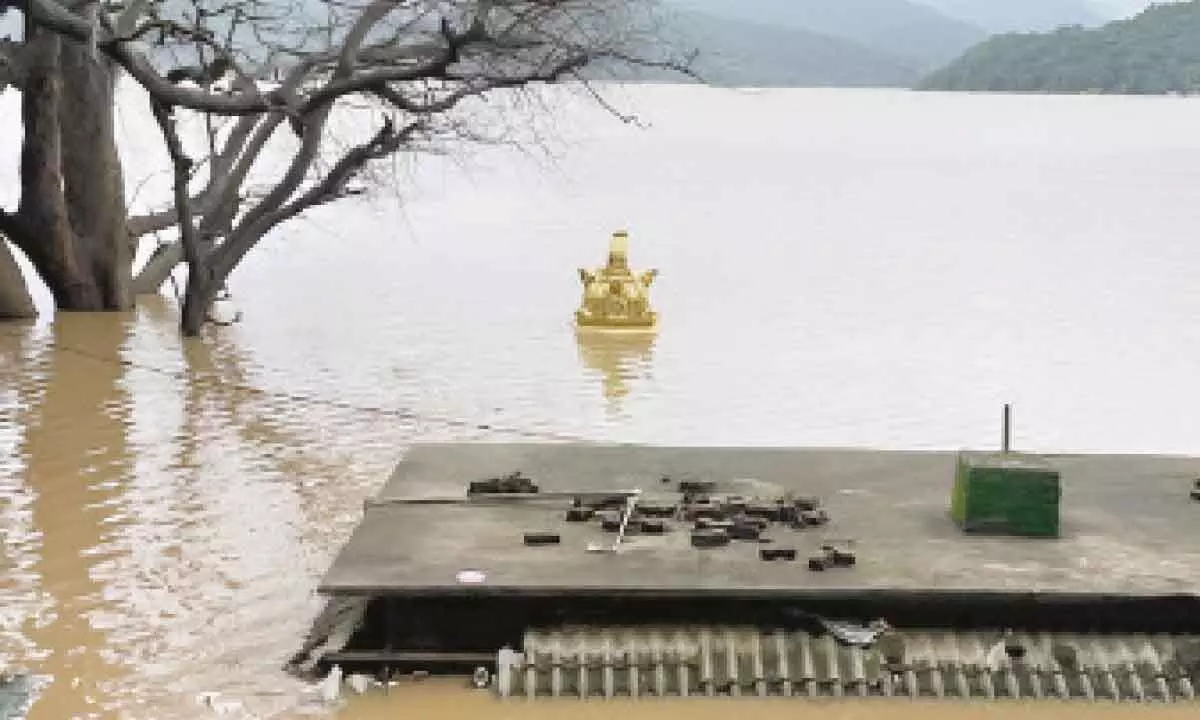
{"x": 1006, "y": 494}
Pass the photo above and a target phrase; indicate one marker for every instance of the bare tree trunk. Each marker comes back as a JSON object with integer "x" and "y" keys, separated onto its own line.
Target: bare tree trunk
{"x": 197, "y": 301}
{"x": 15, "y": 301}
{"x": 48, "y": 240}
{"x": 202, "y": 280}
{"x": 72, "y": 212}
{"x": 92, "y": 170}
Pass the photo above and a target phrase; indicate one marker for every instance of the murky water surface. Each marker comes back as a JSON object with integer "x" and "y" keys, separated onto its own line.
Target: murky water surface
{"x": 838, "y": 268}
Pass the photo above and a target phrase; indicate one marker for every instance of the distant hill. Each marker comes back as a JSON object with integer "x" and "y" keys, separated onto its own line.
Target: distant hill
{"x": 1000, "y": 16}
{"x": 896, "y": 28}
{"x": 733, "y": 53}
{"x": 1157, "y": 51}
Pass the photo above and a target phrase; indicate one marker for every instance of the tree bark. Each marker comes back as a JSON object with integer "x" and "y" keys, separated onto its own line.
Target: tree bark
{"x": 95, "y": 184}
{"x": 202, "y": 281}
{"x": 157, "y": 269}
{"x": 15, "y": 301}
{"x": 198, "y": 298}
{"x": 72, "y": 211}
{"x": 47, "y": 239}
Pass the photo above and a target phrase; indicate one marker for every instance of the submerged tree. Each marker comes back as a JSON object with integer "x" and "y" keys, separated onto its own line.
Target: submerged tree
{"x": 71, "y": 219}
{"x": 418, "y": 62}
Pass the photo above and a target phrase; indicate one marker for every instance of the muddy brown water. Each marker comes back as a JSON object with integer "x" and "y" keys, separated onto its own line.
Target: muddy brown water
{"x": 447, "y": 699}
{"x": 166, "y": 508}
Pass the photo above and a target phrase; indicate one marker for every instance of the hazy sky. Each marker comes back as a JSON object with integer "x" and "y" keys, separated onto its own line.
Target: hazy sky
{"x": 1122, "y": 8}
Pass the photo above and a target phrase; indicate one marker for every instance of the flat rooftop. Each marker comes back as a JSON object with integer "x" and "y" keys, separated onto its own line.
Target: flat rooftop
{"x": 1129, "y": 527}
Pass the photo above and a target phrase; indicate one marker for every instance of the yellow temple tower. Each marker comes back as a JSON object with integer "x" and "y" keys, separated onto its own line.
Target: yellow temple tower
{"x": 614, "y": 297}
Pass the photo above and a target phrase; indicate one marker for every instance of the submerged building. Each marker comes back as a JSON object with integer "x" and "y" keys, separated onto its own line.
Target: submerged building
{"x": 646, "y": 571}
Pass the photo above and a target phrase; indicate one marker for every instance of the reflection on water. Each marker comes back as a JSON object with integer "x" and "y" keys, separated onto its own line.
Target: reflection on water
{"x": 78, "y": 471}
{"x": 618, "y": 358}
{"x": 163, "y": 524}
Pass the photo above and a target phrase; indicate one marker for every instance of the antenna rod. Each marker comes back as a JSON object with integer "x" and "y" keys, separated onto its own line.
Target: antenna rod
{"x": 1006, "y": 430}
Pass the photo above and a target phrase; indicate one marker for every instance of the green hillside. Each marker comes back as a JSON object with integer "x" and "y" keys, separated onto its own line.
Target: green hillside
{"x": 1157, "y": 51}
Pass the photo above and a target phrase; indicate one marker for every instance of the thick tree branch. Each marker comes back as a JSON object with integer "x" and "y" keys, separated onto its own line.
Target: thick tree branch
{"x": 249, "y": 99}
{"x": 221, "y": 196}
{"x": 181, "y": 166}
{"x": 218, "y": 203}
{"x": 220, "y": 175}
{"x": 127, "y": 19}
{"x": 333, "y": 186}
{"x": 55, "y": 17}
{"x": 216, "y": 206}
{"x": 424, "y": 62}
{"x": 310, "y": 141}
{"x": 228, "y": 171}
{"x": 164, "y": 29}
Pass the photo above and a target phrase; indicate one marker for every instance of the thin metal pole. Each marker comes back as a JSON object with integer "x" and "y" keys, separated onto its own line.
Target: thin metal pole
{"x": 1006, "y": 430}
{"x": 389, "y": 611}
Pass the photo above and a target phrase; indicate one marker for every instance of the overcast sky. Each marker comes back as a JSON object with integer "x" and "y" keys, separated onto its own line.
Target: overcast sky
{"x": 1123, "y": 8}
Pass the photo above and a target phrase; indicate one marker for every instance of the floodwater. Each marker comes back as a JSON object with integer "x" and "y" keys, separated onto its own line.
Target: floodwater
{"x": 865, "y": 268}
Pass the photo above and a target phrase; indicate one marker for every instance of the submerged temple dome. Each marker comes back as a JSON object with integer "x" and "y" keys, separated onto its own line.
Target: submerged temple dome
{"x": 614, "y": 297}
